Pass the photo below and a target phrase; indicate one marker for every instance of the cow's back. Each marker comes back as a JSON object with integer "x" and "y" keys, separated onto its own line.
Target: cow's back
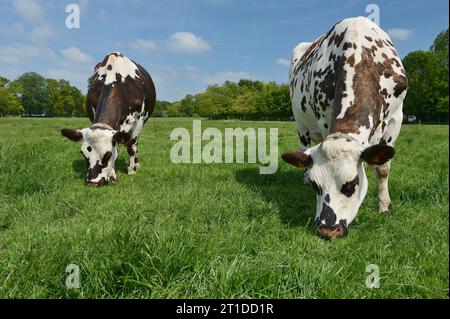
{"x": 349, "y": 80}
{"x": 119, "y": 87}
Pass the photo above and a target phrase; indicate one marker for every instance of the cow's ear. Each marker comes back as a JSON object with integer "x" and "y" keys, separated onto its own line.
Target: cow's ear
{"x": 378, "y": 154}
{"x": 71, "y": 134}
{"x": 121, "y": 137}
{"x": 298, "y": 159}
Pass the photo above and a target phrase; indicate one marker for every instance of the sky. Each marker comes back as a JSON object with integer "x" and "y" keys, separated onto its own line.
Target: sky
{"x": 187, "y": 45}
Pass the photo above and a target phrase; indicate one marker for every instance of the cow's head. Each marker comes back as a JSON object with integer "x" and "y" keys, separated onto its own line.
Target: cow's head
{"x": 337, "y": 173}
{"x": 100, "y": 148}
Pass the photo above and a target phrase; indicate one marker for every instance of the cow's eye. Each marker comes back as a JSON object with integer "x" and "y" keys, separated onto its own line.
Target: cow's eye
{"x": 316, "y": 187}
{"x": 89, "y": 148}
{"x": 348, "y": 189}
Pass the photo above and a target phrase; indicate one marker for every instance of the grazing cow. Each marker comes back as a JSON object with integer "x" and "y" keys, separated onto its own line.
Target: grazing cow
{"x": 120, "y": 99}
{"x": 347, "y": 90}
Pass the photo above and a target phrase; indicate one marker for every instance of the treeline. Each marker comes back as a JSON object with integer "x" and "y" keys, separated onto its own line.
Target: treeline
{"x": 427, "y": 98}
{"x": 427, "y": 73}
{"x": 246, "y": 99}
{"x": 33, "y": 95}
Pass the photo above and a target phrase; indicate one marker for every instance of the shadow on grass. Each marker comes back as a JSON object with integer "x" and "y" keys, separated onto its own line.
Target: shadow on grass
{"x": 79, "y": 167}
{"x": 121, "y": 165}
{"x": 295, "y": 201}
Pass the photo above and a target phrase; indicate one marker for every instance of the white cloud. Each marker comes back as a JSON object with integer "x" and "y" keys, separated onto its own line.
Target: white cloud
{"x": 221, "y": 77}
{"x": 186, "y": 42}
{"x": 38, "y": 35}
{"x": 143, "y": 45}
{"x": 16, "y": 54}
{"x": 281, "y": 61}
{"x": 30, "y": 10}
{"x": 74, "y": 54}
{"x": 42, "y": 33}
{"x": 190, "y": 68}
{"x": 400, "y": 33}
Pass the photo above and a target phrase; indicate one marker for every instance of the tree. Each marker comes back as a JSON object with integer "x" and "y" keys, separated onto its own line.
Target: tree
{"x": 244, "y": 106}
{"x": 440, "y": 47}
{"x": 188, "y": 105}
{"x": 161, "y": 108}
{"x": 174, "y": 110}
{"x": 427, "y": 73}
{"x": 213, "y": 105}
{"x": 427, "y": 95}
{"x": 3, "y": 82}
{"x": 31, "y": 89}
{"x": 9, "y": 103}
{"x": 64, "y": 99}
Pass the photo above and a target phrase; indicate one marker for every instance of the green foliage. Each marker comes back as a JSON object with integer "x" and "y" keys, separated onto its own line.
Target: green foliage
{"x": 187, "y": 107}
{"x": 246, "y": 99}
{"x": 440, "y": 47}
{"x": 174, "y": 110}
{"x": 31, "y": 89}
{"x": 245, "y": 105}
{"x": 32, "y": 94}
{"x": 64, "y": 99}
{"x": 9, "y": 103}
{"x": 427, "y": 73}
{"x": 213, "y": 103}
{"x": 3, "y": 81}
{"x": 161, "y": 108}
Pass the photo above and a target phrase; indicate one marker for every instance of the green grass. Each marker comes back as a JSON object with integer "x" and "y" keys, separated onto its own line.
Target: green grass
{"x": 222, "y": 230}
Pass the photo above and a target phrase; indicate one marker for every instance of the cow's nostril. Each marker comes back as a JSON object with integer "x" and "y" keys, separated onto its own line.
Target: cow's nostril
{"x": 101, "y": 182}
{"x": 330, "y": 232}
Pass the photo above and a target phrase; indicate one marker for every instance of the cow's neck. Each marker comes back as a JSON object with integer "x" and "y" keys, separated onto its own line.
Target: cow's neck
{"x": 355, "y": 123}
{"x": 109, "y": 118}
{"x": 110, "y": 112}
{"x": 101, "y": 126}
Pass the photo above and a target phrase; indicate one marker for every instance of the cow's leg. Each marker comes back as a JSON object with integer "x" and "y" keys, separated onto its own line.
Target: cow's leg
{"x": 384, "y": 200}
{"x": 132, "y": 152}
{"x": 389, "y": 137}
{"x": 112, "y": 175}
{"x": 305, "y": 141}
{"x": 132, "y": 148}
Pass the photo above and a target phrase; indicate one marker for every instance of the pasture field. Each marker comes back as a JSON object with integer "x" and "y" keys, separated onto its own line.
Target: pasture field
{"x": 211, "y": 231}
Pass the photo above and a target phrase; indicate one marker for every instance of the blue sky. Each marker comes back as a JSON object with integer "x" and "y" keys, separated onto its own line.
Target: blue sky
{"x": 188, "y": 44}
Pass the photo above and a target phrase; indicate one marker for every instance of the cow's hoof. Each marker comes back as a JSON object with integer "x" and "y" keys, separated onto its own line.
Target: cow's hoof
{"x": 386, "y": 209}
{"x": 132, "y": 171}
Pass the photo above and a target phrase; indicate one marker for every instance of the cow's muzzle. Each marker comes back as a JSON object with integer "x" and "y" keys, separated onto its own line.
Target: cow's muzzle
{"x": 101, "y": 182}
{"x": 331, "y": 232}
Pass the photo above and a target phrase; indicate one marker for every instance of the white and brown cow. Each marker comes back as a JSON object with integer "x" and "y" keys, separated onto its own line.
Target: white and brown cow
{"x": 120, "y": 99}
{"x": 347, "y": 90}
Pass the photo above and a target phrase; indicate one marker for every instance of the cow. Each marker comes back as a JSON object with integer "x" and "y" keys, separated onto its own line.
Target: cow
{"x": 347, "y": 90}
{"x": 120, "y": 99}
